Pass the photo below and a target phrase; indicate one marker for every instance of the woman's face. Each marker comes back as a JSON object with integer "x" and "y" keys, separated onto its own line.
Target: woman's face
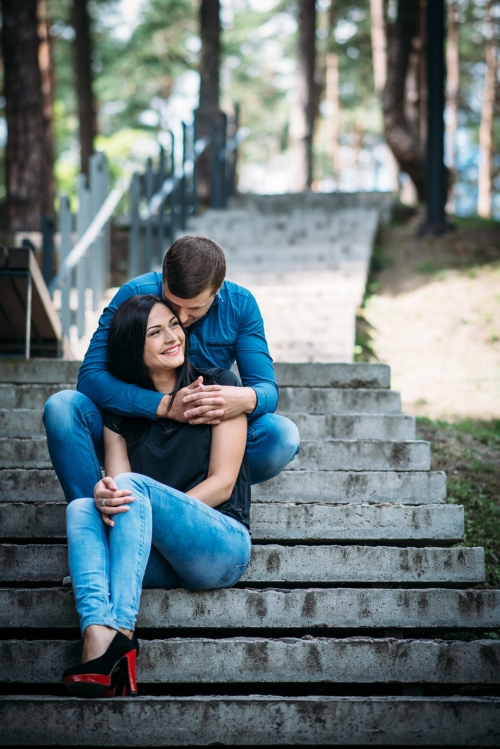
{"x": 165, "y": 341}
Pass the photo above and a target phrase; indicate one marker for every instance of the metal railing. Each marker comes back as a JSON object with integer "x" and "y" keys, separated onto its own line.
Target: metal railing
{"x": 161, "y": 200}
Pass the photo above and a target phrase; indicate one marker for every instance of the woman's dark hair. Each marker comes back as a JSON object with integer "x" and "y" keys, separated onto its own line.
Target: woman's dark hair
{"x": 127, "y": 334}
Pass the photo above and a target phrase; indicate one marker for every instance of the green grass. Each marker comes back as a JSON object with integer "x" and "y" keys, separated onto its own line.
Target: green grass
{"x": 469, "y": 452}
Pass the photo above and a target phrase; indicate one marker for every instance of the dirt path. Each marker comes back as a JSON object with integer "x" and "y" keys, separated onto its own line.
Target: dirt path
{"x": 435, "y": 313}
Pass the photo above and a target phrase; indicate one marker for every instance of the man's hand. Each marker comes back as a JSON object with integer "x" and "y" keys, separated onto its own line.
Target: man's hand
{"x": 115, "y": 500}
{"x": 212, "y": 407}
{"x": 203, "y": 408}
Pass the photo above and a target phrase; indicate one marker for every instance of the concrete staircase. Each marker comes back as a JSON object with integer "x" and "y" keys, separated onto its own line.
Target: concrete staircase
{"x": 354, "y": 624}
{"x": 305, "y": 257}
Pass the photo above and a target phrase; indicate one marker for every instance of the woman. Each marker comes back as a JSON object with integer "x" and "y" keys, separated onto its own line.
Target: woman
{"x": 172, "y": 511}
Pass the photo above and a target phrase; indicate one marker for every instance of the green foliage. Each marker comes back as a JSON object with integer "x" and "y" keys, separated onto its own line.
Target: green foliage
{"x": 469, "y": 451}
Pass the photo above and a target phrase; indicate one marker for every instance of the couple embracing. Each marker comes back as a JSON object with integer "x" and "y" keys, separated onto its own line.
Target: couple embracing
{"x": 181, "y": 441}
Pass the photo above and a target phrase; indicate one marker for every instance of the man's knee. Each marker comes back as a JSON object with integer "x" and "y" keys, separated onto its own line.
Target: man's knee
{"x": 61, "y": 407}
{"x": 284, "y": 434}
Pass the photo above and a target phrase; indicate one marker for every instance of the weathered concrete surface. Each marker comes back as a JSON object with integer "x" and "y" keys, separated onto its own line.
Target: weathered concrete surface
{"x": 345, "y": 426}
{"x": 50, "y": 371}
{"x": 331, "y": 455}
{"x": 353, "y": 486}
{"x": 29, "y": 485}
{"x": 290, "y": 564}
{"x": 24, "y": 453}
{"x": 21, "y": 422}
{"x": 27, "y": 422}
{"x": 355, "y": 660}
{"x": 340, "y": 400}
{"x": 417, "y": 487}
{"x": 268, "y": 609}
{"x": 255, "y": 720}
{"x": 317, "y": 375}
{"x": 29, "y": 396}
{"x": 279, "y": 522}
{"x": 362, "y": 455}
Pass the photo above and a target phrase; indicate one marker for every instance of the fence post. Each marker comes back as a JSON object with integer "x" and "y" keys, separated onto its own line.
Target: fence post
{"x": 195, "y": 164}
{"x": 149, "y": 178}
{"x": 223, "y": 160}
{"x": 234, "y": 156}
{"x": 83, "y": 219}
{"x": 182, "y": 186}
{"x": 64, "y": 250}
{"x": 133, "y": 247}
{"x": 161, "y": 228}
{"x": 215, "y": 166}
{"x": 47, "y": 249}
{"x": 172, "y": 194}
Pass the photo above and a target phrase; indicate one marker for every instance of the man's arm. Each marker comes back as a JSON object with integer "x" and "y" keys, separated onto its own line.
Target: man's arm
{"x": 94, "y": 379}
{"x": 259, "y": 394}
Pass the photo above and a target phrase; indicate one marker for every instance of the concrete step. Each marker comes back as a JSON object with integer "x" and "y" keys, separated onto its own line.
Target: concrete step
{"x": 269, "y": 609}
{"x": 274, "y": 564}
{"x": 29, "y": 396}
{"x": 48, "y": 371}
{"x": 318, "y": 455}
{"x": 312, "y": 400}
{"x": 326, "y": 426}
{"x": 267, "y": 720}
{"x": 356, "y": 660}
{"x": 279, "y": 522}
{"x": 361, "y": 455}
{"x": 357, "y": 375}
{"x": 27, "y": 422}
{"x": 345, "y": 487}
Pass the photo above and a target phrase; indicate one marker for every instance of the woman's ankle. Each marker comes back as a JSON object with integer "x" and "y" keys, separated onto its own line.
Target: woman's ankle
{"x": 127, "y": 632}
{"x": 96, "y": 640}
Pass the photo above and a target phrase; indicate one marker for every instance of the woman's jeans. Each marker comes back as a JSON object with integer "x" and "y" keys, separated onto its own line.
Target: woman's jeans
{"x": 74, "y": 436}
{"x": 165, "y": 540}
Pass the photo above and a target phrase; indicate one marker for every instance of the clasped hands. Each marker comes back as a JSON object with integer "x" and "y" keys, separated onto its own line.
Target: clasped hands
{"x": 208, "y": 404}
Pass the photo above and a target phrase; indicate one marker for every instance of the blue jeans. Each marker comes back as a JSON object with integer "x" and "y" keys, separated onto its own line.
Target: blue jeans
{"x": 74, "y": 436}
{"x": 188, "y": 545}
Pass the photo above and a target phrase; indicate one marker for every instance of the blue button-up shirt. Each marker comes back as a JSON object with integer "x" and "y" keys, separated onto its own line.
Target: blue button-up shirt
{"x": 232, "y": 330}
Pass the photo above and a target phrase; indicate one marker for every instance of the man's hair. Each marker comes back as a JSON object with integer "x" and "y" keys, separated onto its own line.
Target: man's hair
{"x": 193, "y": 264}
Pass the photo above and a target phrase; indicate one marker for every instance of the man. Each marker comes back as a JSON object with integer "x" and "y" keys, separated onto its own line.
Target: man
{"x": 224, "y": 326}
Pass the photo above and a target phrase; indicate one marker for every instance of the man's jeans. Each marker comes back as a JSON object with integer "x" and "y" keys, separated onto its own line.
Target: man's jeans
{"x": 74, "y": 436}
{"x": 194, "y": 547}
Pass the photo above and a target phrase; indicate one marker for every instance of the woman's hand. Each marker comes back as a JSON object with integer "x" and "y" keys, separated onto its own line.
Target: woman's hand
{"x": 110, "y": 500}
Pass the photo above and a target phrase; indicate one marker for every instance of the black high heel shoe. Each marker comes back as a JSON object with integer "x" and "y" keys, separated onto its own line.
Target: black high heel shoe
{"x": 94, "y": 678}
{"x": 120, "y": 683}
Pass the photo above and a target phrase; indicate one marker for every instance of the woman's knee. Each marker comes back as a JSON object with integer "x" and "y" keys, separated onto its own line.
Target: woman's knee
{"x": 79, "y": 508}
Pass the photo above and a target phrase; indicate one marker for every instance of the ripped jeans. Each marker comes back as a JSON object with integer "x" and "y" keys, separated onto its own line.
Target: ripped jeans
{"x": 167, "y": 539}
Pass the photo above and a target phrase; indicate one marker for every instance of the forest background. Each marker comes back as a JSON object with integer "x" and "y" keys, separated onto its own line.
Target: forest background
{"x": 145, "y": 60}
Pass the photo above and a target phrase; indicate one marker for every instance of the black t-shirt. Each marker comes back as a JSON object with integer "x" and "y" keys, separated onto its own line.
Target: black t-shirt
{"x": 181, "y": 460}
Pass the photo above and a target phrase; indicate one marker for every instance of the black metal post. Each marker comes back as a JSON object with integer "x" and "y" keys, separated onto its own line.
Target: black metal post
{"x": 435, "y": 169}
{"x": 215, "y": 181}
{"x": 195, "y": 163}
{"x": 47, "y": 249}
{"x": 161, "y": 228}
{"x": 172, "y": 194}
{"x": 182, "y": 187}
{"x": 223, "y": 160}
{"x": 149, "y": 179}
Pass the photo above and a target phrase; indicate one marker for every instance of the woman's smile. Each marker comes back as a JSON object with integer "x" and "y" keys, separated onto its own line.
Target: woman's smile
{"x": 173, "y": 351}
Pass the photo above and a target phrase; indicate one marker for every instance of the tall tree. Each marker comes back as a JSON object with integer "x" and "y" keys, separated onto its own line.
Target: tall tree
{"x": 379, "y": 44}
{"x": 452, "y": 85}
{"x": 208, "y": 109}
{"x": 486, "y": 130}
{"x": 83, "y": 66}
{"x": 332, "y": 90}
{"x": 46, "y": 75}
{"x": 26, "y": 162}
{"x": 304, "y": 112}
{"x": 401, "y": 134}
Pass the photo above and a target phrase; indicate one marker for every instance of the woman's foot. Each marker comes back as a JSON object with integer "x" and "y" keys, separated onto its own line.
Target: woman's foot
{"x": 97, "y": 639}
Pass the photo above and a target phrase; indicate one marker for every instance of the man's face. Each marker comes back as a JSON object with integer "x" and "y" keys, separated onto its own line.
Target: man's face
{"x": 189, "y": 310}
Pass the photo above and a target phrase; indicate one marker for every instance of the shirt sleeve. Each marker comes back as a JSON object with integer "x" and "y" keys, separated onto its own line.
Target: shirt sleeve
{"x": 96, "y": 381}
{"x": 255, "y": 365}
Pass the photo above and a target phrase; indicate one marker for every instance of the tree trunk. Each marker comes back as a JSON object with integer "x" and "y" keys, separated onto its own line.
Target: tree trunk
{"x": 25, "y": 157}
{"x": 45, "y": 65}
{"x": 452, "y": 83}
{"x": 208, "y": 109}
{"x": 332, "y": 98}
{"x": 379, "y": 44}
{"x": 401, "y": 137}
{"x": 305, "y": 110}
{"x": 83, "y": 66}
{"x": 486, "y": 129}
